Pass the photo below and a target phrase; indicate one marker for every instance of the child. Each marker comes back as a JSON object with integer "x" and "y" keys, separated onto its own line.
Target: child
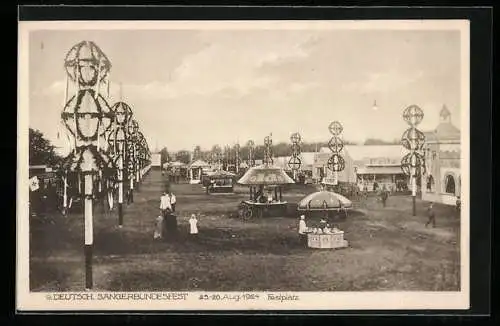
{"x": 158, "y": 227}
{"x": 193, "y": 226}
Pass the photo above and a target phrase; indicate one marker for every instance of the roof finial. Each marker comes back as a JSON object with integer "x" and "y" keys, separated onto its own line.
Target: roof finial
{"x": 445, "y": 113}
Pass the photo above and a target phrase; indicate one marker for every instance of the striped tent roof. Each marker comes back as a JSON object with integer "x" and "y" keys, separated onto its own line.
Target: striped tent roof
{"x": 265, "y": 175}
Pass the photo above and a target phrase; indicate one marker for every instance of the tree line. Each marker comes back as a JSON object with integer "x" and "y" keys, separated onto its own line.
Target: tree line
{"x": 280, "y": 149}
{"x": 41, "y": 151}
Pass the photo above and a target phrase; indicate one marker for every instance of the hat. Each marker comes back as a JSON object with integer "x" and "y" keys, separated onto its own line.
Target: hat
{"x": 302, "y": 217}
{"x": 193, "y": 215}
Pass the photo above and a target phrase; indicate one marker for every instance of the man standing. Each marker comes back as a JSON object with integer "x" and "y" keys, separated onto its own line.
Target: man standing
{"x": 302, "y": 231}
{"x": 384, "y": 195}
{"x": 172, "y": 200}
{"x": 432, "y": 216}
{"x": 165, "y": 209}
{"x": 165, "y": 206}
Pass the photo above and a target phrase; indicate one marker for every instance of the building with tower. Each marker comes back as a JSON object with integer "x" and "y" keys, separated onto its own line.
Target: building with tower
{"x": 442, "y": 180}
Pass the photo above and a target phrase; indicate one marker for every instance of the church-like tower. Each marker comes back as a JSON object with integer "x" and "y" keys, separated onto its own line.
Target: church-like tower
{"x": 445, "y": 115}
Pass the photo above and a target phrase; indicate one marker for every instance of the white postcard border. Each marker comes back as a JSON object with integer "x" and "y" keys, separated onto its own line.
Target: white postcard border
{"x": 29, "y": 301}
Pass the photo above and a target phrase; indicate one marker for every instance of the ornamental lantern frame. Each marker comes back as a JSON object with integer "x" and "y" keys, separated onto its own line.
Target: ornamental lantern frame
{"x": 251, "y": 149}
{"x": 295, "y": 163}
{"x": 87, "y": 56}
{"x": 336, "y": 162}
{"x": 413, "y": 163}
{"x": 268, "y": 150}
{"x": 87, "y": 116}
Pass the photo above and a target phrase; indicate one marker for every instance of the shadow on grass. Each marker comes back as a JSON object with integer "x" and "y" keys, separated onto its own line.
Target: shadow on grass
{"x": 45, "y": 276}
{"x": 53, "y": 234}
{"x": 215, "y": 240}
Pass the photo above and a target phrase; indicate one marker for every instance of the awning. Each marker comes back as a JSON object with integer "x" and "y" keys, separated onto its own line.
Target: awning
{"x": 380, "y": 170}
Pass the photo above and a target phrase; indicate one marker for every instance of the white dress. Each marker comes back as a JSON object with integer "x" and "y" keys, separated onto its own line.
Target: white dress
{"x": 193, "y": 228}
{"x": 302, "y": 227}
{"x": 158, "y": 227}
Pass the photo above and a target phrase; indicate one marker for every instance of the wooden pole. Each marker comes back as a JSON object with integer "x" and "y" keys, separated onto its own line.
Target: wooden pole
{"x": 89, "y": 232}
{"x": 120, "y": 185}
{"x": 414, "y": 193}
{"x": 65, "y": 191}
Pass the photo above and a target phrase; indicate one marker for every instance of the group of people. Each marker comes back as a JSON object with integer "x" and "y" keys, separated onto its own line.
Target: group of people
{"x": 261, "y": 196}
{"x": 166, "y": 223}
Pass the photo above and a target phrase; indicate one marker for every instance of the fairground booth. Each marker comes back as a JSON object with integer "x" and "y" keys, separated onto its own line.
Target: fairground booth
{"x": 196, "y": 171}
{"x": 176, "y": 170}
{"x": 219, "y": 182}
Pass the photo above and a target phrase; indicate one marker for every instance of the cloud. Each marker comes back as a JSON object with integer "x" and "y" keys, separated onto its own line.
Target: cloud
{"x": 226, "y": 69}
{"x": 383, "y": 81}
{"x": 54, "y": 89}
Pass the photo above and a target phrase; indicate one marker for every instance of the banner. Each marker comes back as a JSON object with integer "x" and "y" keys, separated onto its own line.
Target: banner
{"x": 34, "y": 183}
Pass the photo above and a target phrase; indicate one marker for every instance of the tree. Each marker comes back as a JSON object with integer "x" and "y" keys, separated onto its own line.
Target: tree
{"x": 165, "y": 156}
{"x": 374, "y": 141}
{"x": 41, "y": 151}
{"x": 197, "y": 155}
{"x": 183, "y": 156}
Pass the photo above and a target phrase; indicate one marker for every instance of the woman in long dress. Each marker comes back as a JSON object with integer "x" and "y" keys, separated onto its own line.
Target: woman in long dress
{"x": 193, "y": 227}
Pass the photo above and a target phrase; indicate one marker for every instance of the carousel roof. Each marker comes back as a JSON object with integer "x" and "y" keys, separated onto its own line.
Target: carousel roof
{"x": 265, "y": 175}
{"x": 199, "y": 164}
{"x": 220, "y": 174}
{"x": 176, "y": 163}
{"x": 323, "y": 200}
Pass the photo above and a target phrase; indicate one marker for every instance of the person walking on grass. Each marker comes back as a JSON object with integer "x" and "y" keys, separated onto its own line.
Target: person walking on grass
{"x": 432, "y": 216}
{"x": 384, "y": 195}
{"x": 158, "y": 227}
{"x": 193, "y": 227}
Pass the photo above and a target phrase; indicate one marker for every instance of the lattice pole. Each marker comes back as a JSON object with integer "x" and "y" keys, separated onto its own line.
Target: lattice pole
{"x": 413, "y": 163}
{"x": 268, "y": 150}
{"x": 295, "y": 162}
{"x": 336, "y": 162}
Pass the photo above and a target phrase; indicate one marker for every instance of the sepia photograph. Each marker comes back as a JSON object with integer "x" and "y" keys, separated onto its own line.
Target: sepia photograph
{"x": 243, "y": 165}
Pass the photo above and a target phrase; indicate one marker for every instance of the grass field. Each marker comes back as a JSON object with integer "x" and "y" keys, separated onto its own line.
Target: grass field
{"x": 389, "y": 249}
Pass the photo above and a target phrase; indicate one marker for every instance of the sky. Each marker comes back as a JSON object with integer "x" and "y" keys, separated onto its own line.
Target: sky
{"x": 206, "y": 87}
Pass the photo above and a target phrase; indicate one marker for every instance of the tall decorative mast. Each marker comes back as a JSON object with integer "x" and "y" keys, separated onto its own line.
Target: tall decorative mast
{"x": 268, "y": 152}
{"x": 295, "y": 163}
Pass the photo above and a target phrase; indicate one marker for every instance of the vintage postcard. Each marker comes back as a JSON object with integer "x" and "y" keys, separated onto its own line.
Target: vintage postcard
{"x": 243, "y": 165}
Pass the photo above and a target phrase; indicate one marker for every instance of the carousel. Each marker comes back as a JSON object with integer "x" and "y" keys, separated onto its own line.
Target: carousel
{"x": 266, "y": 193}
{"x": 219, "y": 182}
